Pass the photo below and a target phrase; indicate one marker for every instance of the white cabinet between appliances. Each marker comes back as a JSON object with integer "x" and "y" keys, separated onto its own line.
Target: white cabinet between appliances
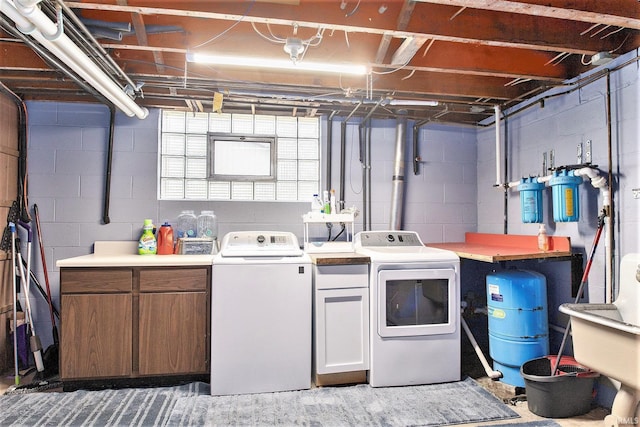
{"x": 341, "y": 318}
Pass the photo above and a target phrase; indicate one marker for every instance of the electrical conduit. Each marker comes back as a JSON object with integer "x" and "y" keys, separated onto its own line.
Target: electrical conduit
{"x": 31, "y": 20}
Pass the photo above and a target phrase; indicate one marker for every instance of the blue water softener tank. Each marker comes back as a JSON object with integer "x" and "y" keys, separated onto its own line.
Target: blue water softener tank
{"x": 531, "y": 200}
{"x": 564, "y": 191}
{"x": 518, "y": 323}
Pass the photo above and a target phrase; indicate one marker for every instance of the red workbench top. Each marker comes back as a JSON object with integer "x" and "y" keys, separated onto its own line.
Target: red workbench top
{"x": 506, "y": 247}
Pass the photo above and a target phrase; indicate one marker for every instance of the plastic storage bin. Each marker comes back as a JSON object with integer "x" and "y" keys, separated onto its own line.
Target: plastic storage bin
{"x": 208, "y": 225}
{"x": 186, "y": 225}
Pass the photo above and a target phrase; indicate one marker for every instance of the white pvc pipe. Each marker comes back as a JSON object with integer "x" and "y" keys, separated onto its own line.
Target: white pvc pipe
{"x": 596, "y": 180}
{"x": 31, "y": 20}
{"x": 490, "y": 372}
{"x": 498, "y": 147}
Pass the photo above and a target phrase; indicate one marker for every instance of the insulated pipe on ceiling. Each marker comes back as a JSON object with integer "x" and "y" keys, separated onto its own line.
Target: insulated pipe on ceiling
{"x": 397, "y": 190}
{"x": 49, "y": 59}
{"x": 82, "y": 33}
{"x": 117, "y": 26}
{"x": 31, "y": 20}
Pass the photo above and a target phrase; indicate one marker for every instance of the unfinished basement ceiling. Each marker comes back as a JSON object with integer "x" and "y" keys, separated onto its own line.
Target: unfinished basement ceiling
{"x": 464, "y": 55}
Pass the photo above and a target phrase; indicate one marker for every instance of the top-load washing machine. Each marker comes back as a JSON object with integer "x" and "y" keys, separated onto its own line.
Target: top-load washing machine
{"x": 414, "y": 294}
{"x": 260, "y": 314}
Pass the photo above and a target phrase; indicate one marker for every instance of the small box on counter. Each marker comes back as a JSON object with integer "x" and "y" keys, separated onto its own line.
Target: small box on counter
{"x": 196, "y": 246}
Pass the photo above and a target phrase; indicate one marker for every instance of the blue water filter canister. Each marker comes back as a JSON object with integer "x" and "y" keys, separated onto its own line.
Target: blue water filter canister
{"x": 518, "y": 323}
{"x": 531, "y": 200}
{"x": 564, "y": 191}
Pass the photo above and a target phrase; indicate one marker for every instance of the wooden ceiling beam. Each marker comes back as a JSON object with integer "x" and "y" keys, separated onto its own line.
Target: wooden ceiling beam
{"x": 328, "y": 27}
{"x": 533, "y": 9}
{"x": 403, "y": 21}
{"x": 141, "y": 35}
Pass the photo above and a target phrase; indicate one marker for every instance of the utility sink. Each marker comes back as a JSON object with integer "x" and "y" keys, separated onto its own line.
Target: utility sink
{"x": 606, "y": 338}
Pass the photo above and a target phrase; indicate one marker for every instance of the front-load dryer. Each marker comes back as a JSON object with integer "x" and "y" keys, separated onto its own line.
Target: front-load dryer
{"x": 414, "y": 294}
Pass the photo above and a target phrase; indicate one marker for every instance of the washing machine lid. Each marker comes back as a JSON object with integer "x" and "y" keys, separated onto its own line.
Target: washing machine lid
{"x": 405, "y": 246}
{"x": 260, "y": 244}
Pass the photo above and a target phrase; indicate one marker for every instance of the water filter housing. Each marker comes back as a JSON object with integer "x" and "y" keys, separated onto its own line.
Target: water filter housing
{"x": 564, "y": 190}
{"x": 531, "y": 200}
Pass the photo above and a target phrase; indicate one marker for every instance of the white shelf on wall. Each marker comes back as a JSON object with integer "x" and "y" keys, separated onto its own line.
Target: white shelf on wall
{"x": 347, "y": 219}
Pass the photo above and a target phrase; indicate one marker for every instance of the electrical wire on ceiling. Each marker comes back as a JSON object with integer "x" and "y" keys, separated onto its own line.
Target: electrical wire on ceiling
{"x": 354, "y": 10}
{"x": 312, "y": 41}
{"x": 582, "y": 59}
{"x": 393, "y": 70}
{"x": 407, "y": 77}
{"x": 214, "y": 38}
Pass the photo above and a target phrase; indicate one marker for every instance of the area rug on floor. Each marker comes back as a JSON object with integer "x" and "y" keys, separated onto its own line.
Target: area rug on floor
{"x": 191, "y": 405}
{"x": 124, "y": 407}
{"x": 538, "y": 423}
{"x": 360, "y": 405}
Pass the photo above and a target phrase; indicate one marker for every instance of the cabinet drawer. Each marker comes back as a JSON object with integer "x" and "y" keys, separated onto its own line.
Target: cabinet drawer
{"x": 174, "y": 279}
{"x": 95, "y": 280}
{"x": 341, "y": 276}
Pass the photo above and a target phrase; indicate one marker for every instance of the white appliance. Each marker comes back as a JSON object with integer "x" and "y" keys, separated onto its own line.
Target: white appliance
{"x": 260, "y": 314}
{"x": 414, "y": 310}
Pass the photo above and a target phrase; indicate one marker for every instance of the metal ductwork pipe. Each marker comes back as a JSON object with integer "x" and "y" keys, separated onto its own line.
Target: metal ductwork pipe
{"x": 397, "y": 191}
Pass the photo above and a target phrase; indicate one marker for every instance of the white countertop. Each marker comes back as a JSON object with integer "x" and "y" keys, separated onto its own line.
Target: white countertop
{"x": 124, "y": 254}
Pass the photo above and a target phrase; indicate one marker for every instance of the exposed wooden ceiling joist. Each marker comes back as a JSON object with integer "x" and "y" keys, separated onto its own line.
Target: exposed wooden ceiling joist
{"x": 533, "y": 9}
{"x": 466, "y": 55}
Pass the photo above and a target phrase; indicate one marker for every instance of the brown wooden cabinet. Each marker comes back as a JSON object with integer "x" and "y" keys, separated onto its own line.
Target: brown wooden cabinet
{"x": 173, "y": 307}
{"x": 131, "y": 322}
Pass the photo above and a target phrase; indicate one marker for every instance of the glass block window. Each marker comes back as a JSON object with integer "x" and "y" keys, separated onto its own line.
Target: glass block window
{"x": 183, "y": 157}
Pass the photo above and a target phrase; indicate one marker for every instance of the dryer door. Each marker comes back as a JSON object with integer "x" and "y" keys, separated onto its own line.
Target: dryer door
{"x": 417, "y": 302}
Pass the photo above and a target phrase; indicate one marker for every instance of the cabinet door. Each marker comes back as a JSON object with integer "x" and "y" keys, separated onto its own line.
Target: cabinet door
{"x": 173, "y": 333}
{"x": 342, "y": 330}
{"x": 95, "y": 336}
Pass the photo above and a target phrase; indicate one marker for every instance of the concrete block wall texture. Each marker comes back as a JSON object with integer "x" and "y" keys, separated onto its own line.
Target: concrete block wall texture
{"x": 453, "y": 193}
{"x": 67, "y": 163}
{"x": 439, "y": 202}
{"x": 561, "y": 125}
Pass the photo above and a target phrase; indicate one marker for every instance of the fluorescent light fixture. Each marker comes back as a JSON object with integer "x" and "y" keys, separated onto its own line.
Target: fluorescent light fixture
{"x": 415, "y": 102}
{"x": 280, "y": 64}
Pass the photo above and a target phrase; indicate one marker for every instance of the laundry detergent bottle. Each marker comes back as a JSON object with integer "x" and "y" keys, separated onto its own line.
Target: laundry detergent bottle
{"x": 147, "y": 244}
{"x": 165, "y": 239}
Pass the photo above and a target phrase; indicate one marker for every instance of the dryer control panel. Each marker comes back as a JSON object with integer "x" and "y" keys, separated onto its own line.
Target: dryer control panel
{"x": 388, "y": 238}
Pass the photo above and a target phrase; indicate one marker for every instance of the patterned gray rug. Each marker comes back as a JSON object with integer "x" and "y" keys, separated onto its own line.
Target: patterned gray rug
{"x": 191, "y": 405}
